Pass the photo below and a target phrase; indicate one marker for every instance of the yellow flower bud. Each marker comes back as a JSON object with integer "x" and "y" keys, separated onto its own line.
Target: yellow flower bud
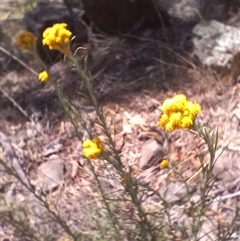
{"x": 43, "y": 76}
{"x": 164, "y": 164}
{"x": 92, "y": 148}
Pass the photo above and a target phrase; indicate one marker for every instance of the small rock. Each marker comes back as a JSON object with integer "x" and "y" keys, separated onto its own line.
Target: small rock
{"x": 175, "y": 192}
{"x": 215, "y": 43}
{"x": 50, "y": 175}
{"x": 151, "y": 152}
{"x": 185, "y": 10}
{"x": 191, "y": 11}
{"x": 225, "y": 169}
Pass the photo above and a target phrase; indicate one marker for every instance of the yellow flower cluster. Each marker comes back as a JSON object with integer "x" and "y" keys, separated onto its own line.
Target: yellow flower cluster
{"x": 43, "y": 76}
{"x": 92, "y": 148}
{"x": 26, "y": 40}
{"x": 178, "y": 112}
{"x": 57, "y": 37}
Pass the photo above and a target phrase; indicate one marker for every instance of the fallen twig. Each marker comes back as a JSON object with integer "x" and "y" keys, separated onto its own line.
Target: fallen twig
{"x": 228, "y": 196}
{"x": 14, "y": 103}
{"x": 18, "y": 60}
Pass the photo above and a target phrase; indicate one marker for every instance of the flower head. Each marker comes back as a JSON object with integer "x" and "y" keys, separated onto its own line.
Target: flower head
{"x": 164, "y": 164}
{"x": 43, "y": 76}
{"x": 26, "y": 40}
{"x": 178, "y": 112}
{"x": 57, "y": 37}
{"x": 92, "y": 148}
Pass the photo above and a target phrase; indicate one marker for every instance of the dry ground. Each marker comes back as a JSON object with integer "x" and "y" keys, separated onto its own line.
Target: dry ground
{"x": 132, "y": 76}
